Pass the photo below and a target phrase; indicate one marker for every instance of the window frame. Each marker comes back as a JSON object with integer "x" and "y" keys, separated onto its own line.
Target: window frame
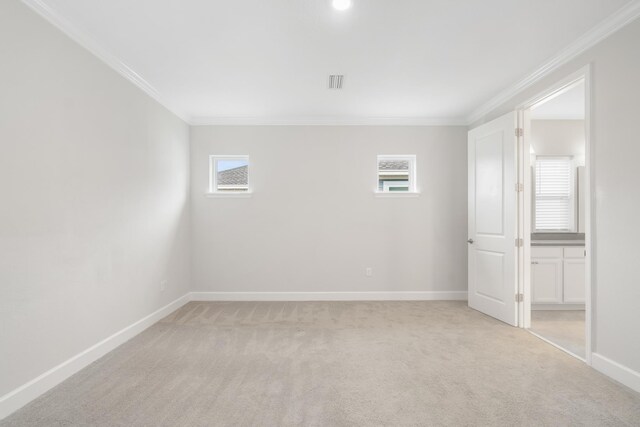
{"x": 572, "y": 199}
{"x": 413, "y": 190}
{"x": 213, "y": 176}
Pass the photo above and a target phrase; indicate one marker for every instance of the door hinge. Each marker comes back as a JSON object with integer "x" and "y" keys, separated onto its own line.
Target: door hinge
{"x": 519, "y": 187}
{"x": 519, "y": 243}
{"x": 519, "y": 132}
{"x": 519, "y": 297}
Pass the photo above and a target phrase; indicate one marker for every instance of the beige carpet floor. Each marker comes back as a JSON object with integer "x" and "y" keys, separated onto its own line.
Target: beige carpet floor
{"x": 334, "y": 364}
{"x": 565, "y": 328}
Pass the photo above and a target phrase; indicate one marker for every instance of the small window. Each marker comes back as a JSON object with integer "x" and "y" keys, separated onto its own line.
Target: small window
{"x": 554, "y": 195}
{"x": 396, "y": 174}
{"x": 229, "y": 174}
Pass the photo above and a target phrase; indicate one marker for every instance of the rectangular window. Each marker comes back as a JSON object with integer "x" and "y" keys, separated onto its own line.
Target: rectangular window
{"x": 229, "y": 174}
{"x": 554, "y": 194}
{"x": 396, "y": 173}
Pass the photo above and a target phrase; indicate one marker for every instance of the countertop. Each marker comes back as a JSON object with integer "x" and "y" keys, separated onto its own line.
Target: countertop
{"x": 557, "y": 239}
{"x": 557, "y": 243}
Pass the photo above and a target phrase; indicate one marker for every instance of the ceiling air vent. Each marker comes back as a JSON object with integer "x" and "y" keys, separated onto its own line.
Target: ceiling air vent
{"x": 336, "y": 81}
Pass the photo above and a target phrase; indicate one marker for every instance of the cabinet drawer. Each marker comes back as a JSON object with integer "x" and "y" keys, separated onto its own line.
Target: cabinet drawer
{"x": 546, "y": 252}
{"x": 577, "y": 252}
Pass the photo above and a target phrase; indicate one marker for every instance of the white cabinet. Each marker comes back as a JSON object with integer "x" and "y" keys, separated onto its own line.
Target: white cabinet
{"x": 573, "y": 281}
{"x": 557, "y": 275}
{"x": 573, "y": 275}
{"x": 546, "y": 277}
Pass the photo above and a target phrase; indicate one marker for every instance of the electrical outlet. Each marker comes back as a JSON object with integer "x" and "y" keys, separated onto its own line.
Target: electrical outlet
{"x": 368, "y": 271}
{"x": 163, "y": 285}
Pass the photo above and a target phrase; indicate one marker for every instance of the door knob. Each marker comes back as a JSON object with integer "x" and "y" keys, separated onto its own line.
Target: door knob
{"x": 470, "y": 241}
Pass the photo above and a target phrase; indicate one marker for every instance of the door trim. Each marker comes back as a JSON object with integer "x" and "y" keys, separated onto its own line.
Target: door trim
{"x": 524, "y": 216}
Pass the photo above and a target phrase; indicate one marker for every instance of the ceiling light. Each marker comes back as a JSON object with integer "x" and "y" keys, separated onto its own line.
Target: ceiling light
{"x": 341, "y": 4}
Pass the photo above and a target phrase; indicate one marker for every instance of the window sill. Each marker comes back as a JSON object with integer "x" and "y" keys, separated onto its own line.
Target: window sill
{"x": 224, "y": 195}
{"x": 397, "y": 194}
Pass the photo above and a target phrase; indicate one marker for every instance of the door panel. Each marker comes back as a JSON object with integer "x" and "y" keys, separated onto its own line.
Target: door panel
{"x": 489, "y": 184}
{"x": 490, "y": 275}
{"x": 492, "y": 172}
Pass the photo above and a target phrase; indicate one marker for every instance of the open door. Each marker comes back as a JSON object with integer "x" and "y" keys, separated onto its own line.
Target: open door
{"x": 493, "y": 198}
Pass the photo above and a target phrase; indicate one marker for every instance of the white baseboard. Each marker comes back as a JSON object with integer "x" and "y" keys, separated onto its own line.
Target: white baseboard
{"x": 330, "y": 296}
{"x": 618, "y": 372}
{"x": 24, "y": 394}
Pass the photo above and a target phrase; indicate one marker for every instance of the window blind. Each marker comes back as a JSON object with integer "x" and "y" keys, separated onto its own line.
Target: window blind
{"x": 554, "y": 194}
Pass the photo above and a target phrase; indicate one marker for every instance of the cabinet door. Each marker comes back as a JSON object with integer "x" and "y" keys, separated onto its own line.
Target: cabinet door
{"x": 546, "y": 280}
{"x": 574, "y": 280}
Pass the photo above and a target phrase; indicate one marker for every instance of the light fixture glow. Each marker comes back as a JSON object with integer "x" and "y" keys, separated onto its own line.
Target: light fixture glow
{"x": 341, "y": 4}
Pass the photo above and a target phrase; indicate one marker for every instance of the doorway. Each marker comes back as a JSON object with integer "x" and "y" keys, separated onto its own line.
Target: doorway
{"x": 548, "y": 216}
{"x": 555, "y": 210}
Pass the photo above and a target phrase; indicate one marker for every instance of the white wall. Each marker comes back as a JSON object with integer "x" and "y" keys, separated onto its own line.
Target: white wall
{"x": 94, "y": 179}
{"x": 94, "y": 209}
{"x": 559, "y": 138}
{"x": 616, "y": 150}
{"x": 313, "y": 223}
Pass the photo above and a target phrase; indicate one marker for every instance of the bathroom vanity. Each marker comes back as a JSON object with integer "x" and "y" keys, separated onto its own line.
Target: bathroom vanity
{"x": 558, "y": 271}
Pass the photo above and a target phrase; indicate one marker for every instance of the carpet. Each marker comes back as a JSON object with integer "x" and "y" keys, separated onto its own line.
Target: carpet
{"x": 376, "y": 363}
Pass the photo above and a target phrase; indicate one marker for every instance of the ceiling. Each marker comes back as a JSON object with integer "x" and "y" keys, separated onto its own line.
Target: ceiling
{"x": 244, "y": 61}
{"x": 568, "y": 105}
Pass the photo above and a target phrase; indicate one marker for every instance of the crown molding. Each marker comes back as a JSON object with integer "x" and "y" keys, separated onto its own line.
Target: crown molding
{"x": 604, "y": 29}
{"x": 80, "y": 37}
{"x": 618, "y": 20}
{"x": 326, "y": 121}
{"x": 557, "y": 117}
{"x": 64, "y": 25}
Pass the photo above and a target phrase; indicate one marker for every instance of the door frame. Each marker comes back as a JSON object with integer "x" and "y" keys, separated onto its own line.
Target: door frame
{"x": 524, "y": 202}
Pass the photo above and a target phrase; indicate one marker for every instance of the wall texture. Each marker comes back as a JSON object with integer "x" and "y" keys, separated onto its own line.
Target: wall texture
{"x": 313, "y": 223}
{"x": 94, "y": 211}
{"x": 615, "y": 65}
{"x": 559, "y": 138}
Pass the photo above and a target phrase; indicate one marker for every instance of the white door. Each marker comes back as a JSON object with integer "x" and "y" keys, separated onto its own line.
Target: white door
{"x": 493, "y": 212}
